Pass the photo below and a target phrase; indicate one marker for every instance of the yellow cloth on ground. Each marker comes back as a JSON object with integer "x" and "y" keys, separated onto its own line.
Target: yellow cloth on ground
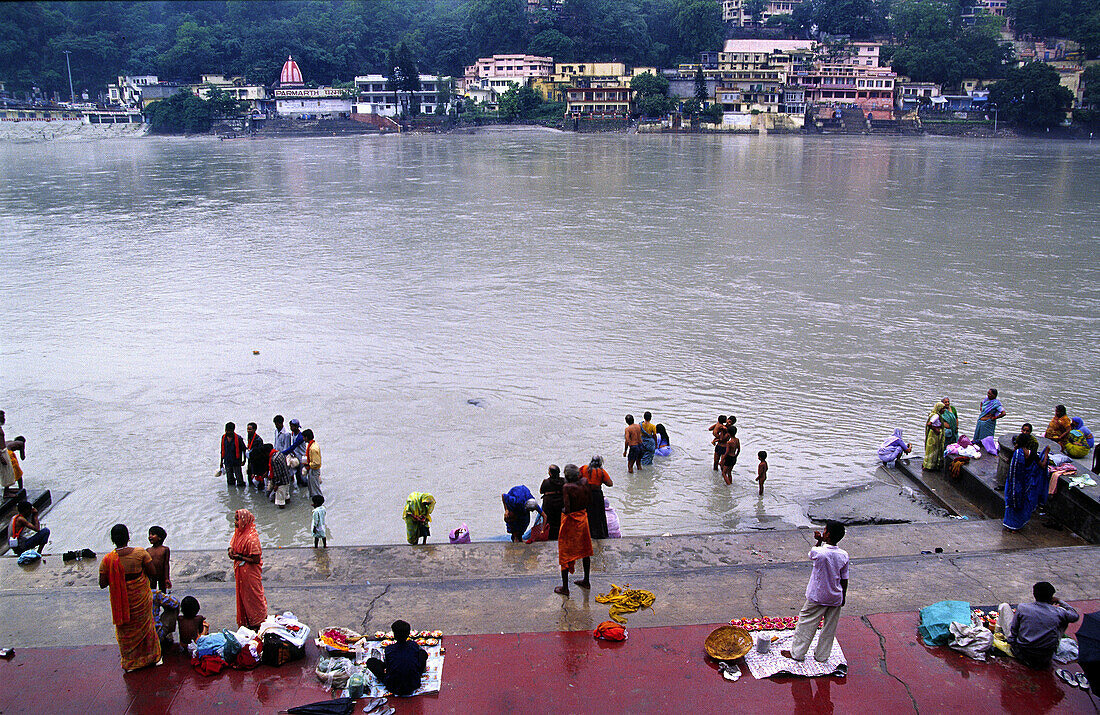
{"x": 625, "y": 600}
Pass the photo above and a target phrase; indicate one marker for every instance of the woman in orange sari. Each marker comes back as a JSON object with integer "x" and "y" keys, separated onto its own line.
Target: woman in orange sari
{"x": 127, "y": 571}
{"x": 248, "y": 565}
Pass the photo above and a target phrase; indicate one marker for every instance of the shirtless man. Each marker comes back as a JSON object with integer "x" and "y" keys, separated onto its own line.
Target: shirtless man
{"x": 574, "y": 539}
{"x": 729, "y": 457}
{"x": 713, "y": 429}
{"x": 632, "y": 448}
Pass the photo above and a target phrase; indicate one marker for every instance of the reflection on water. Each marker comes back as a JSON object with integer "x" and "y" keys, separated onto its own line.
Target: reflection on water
{"x": 823, "y": 290}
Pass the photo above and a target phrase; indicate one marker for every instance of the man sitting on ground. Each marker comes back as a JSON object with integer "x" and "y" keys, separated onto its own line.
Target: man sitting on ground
{"x": 1034, "y": 632}
{"x": 405, "y": 662}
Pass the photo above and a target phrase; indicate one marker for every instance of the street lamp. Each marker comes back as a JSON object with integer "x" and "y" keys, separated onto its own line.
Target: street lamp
{"x": 72, "y": 94}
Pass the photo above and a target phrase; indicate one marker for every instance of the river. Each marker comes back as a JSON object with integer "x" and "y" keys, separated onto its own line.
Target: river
{"x": 823, "y": 289}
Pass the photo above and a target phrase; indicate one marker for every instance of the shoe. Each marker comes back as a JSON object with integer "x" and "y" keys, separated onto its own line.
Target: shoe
{"x": 70, "y": 556}
{"x": 87, "y": 554}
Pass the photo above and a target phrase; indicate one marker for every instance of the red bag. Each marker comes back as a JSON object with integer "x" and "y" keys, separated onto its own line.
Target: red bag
{"x": 610, "y": 631}
{"x": 208, "y": 664}
{"x": 540, "y": 531}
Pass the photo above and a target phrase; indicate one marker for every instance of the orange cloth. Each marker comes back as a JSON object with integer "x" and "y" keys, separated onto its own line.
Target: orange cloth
{"x": 610, "y": 631}
{"x": 595, "y": 477}
{"x": 132, "y": 608}
{"x": 16, "y": 470}
{"x": 251, "y": 602}
{"x": 1058, "y": 429}
{"x": 574, "y": 541}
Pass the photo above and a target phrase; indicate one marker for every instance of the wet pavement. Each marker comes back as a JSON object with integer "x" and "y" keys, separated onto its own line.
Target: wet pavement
{"x": 657, "y": 670}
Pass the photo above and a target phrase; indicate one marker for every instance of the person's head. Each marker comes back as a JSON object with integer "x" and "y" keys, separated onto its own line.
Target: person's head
{"x": 554, "y": 471}
{"x": 834, "y": 532}
{"x": 401, "y": 630}
{"x": 243, "y": 519}
{"x": 1044, "y": 592}
{"x": 762, "y": 455}
{"x": 939, "y": 408}
{"x": 157, "y": 535}
{"x": 647, "y": 416}
{"x": 721, "y": 419}
{"x": 1026, "y": 428}
{"x": 120, "y": 535}
{"x": 250, "y": 429}
{"x": 731, "y": 420}
{"x": 946, "y": 401}
{"x": 1, "y": 417}
{"x": 1059, "y": 410}
{"x": 661, "y": 431}
{"x": 308, "y": 435}
{"x": 630, "y": 419}
{"x": 731, "y": 429}
{"x": 189, "y": 607}
{"x": 992, "y": 393}
{"x": 229, "y": 427}
{"x": 572, "y": 473}
{"x": 25, "y": 509}
{"x": 596, "y": 462}
{"x": 278, "y": 421}
{"x": 295, "y": 426}
{"x": 318, "y": 500}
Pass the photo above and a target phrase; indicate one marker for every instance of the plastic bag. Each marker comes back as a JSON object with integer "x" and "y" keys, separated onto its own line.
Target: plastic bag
{"x": 231, "y": 648}
{"x": 970, "y": 640}
{"x": 28, "y": 557}
{"x": 1067, "y": 651}
{"x": 935, "y": 620}
{"x": 334, "y": 673}
{"x": 461, "y": 535}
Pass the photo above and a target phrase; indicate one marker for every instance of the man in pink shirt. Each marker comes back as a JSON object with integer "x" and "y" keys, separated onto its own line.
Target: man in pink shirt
{"x": 825, "y": 594}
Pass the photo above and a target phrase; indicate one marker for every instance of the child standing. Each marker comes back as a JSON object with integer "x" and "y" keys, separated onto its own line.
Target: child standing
{"x": 319, "y": 533}
{"x": 762, "y": 470}
{"x": 161, "y": 580}
{"x": 190, "y": 624}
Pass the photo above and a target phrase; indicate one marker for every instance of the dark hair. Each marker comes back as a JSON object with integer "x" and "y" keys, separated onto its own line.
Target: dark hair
{"x": 24, "y": 508}
{"x": 1059, "y": 409}
{"x": 731, "y": 420}
{"x": 278, "y": 419}
{"x": 318, "y": 500}
{"x": 189, "y": 607}
{"x": 647, "y": 416}
{"x": 1026, "y": 424}
{"x": 158, "y": 531}
{"x": 400, "y": 630}
{"x": 993, "y": 390}
{"x": 721, "y": 419}
{"x": 1044, "y": 591}
{"x": 253, "y": 425}
{"x": 836, "y": 531}
{"x": 762, "y": 455}
{"x": 630, "y": 419}
{"x": 555, "y": 471}
{"x": 661, "y": 431}
{"x": 229, "y": 426}
{"x": 732, "y": 430}
{"x": 120, "y": 535}
{"x": 307, "y": 434}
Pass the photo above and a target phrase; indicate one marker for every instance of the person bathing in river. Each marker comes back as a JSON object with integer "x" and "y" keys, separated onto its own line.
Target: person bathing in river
{"x": 729, "y": 457}
{"x": 596, "y": 477}
{"x": 649, "y": 439}
{"x": 719, "y": 425}
{"x": 519, "y": 502}
{"x": 232, "y": 449}
{"x": 632, "y": 446}
{"x": 663, "y": 447}
{"x": 892, "y": 449}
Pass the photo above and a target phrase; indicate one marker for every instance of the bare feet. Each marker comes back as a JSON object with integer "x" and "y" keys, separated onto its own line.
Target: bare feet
{"x": 561, "y": 591}
{"x": 787, "y": 654}
{"x": 630, "y": 471}
{"x": 583, "y": 583}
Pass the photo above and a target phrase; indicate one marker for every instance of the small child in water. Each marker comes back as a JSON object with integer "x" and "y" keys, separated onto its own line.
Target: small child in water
{"x": 190, "y": 624}
{"x": 762, "y": 470}
{"x": 160, "y": 554}
{"x": 319, "y": 533}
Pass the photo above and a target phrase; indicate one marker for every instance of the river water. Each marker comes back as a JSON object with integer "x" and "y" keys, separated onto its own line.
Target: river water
{"x": 824, "y": 290}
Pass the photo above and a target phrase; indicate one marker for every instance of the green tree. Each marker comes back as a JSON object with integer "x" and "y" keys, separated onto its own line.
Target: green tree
{"x": 755, "y": 10}
{"x": 1031, "y": 96}
{"x": 1090, "y": 81}
{"x": 651, "y": 95}
{"x": 698, "y": 25}
{"x": 222, "y": 104}
{"x": 496, "y": 26}
{"x": 701, "y": 93}
{"x": 860, "y": 19}
{"x": 182, "y": 113}
{"x": 553, "y": 43}
{"x": 693, "y": 107}
{"x": 519, "y": 103}
{"x": 1087, "y": 33}
{"x": 403, "y": 79}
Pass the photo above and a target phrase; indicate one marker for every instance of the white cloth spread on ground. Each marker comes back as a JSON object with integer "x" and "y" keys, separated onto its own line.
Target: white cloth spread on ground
{"x": 430, "y": 682}
{"x": 765, "y": 665}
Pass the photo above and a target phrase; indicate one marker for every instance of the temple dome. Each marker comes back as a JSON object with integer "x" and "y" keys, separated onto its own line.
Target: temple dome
{"x": 290, "y": 74}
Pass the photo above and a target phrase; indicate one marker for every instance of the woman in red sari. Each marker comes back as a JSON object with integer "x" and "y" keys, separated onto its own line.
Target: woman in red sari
{"x": 244, "y": 549}
{"x": 127, "y": 571}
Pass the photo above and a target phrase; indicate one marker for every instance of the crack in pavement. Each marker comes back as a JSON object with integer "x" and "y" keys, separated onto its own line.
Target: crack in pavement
{"x": 882, "y": 661}
{"x": 370, "y": 606}
{"x": 756, "y": 593}
{"x": 969, "y": 576}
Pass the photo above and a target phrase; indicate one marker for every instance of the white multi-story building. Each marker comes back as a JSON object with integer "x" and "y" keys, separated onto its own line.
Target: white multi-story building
{"x": 735, "y": 11}
{"x": 373, "y": 96}
{"x": 127, "y": 91}
{"x": 256, "y": 95}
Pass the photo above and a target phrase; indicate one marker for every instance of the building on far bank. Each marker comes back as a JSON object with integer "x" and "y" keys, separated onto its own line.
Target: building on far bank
{"x": 373, "y": 96}
{"x": 738, "y": 12}
{"x": 598, "y": 102}
{"x": 256, "y": 96}
{"x": 129, "y": 90}
{"x": 293, "y": 99}
{"x": 492, "y": 76}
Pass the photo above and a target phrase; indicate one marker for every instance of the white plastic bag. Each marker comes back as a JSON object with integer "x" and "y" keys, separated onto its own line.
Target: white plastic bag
{"x": 970, "y": 640}
{"x": 1067, "y": 651}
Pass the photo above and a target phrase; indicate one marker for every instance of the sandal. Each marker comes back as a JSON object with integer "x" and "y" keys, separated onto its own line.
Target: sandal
{"x": 1082, "y": 681}
{"x": 87, "y": 554}
{"x": 1067, "y": 676}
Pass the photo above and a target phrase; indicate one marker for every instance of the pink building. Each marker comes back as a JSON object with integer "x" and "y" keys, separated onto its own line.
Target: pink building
{"x": 521, "y": 69}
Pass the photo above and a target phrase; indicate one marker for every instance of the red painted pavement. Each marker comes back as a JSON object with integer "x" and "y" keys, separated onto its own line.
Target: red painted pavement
{"x": 656, "y": 670}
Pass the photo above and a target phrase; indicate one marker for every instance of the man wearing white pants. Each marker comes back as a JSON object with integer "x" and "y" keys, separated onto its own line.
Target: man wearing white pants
{"x": 826, "y": 593}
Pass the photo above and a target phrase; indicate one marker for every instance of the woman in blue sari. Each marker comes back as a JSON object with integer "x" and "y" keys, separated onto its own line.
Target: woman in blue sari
{"x": 1026, "y": 486}
{"x": 991, "y": 411}
{"x": 519, "y": 502}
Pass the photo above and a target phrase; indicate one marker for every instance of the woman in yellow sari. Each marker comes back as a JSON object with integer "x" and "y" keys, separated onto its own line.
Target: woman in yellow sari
{"x": 417, "y": 515}
{"x": 127, "y": 571}
{"x": 933, "y": 438}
